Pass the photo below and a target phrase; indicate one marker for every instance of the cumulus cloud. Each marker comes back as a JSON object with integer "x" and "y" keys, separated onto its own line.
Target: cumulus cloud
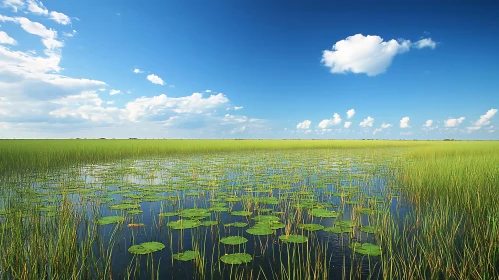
{"x": 304, "y": 124}
{"x": 60, "y": 18}
{"x": 208, "y": 90}
{"x": 137, "y": 71}
{"x": 48, "y": 36}
{"x": 425, "y": 43}
{"x": 6, "y": 39}
{"x": 483, "y": 120}
{"x": 329, "y": 122}
{"x": 114, "y": 91}
{"x": 450, "y": 122}
{"x": 363, "y": 54}
{"x": 155, "y": 79}
{"x": 369, "y": 54}
{"x": 15, "y": 5}
{"x": 385, "y": 125}
{"x": 162, "y": 105}
{"x": 37, "y": 8}
{"x": 350, "y": 113}
{"x": 404, "y": 122}
{"x": 428, "y": 123}
{"x": 347, "y": 124}
{"x": 367, "y": 122}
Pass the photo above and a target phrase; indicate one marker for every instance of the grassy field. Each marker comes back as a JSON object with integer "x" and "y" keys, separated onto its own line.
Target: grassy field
{"x": 451, "y": 230}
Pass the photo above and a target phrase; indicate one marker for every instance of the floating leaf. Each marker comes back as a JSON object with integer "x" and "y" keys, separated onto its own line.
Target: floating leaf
{"x": 323, "y": 213}
{"x": 236, "y": 224}
{"x": 237, "y": 258}
{"x": 110, "y": 220}
{"x": 184, "y": 224}
{"x": 186, "y": 256}
{"x": 233, "y": 240}
{"x": 260, "y": 229}
{"x": 293, "y": 238}
{"x": 311, "y": 227}
{"x": 209, "y": 223}
{"x": 146, "y": 248}
{"x": 369, "y": 229}
{"x": 366, "y": 249}
{"x": 241, "y": 213}
{"x": 337, "y": 229}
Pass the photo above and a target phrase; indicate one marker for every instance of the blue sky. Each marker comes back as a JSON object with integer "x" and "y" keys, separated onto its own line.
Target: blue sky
{"x": 249, "y": 69}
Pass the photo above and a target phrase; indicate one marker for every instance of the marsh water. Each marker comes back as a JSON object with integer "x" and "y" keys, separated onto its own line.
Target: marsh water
{"x": 227, "y": 194}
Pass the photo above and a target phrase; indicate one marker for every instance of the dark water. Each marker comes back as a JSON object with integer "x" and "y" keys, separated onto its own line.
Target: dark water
{"x": 318, "y": 178}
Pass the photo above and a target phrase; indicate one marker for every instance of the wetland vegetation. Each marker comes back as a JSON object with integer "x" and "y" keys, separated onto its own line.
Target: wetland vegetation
{"x": 248, "y": 209}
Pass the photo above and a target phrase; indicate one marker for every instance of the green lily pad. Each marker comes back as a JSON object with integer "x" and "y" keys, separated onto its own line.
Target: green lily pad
{"x": 276, "y": 225}
{"x": 311, "y": 227}
{"x": 366, "y": 248}
{"x": 237, "y": 258}
{"x": 324, "y": 213}
{"x": 146, "y": 248}
{"x": 369, "y": 229}
{"x": 260, "y": 229}
{"x": 124, "y": 206}
{"x": 184, "y": 224}
{"x": 169, "y": 214}
{"x": 110, "y": 220}
{"x": 236, "y": 224}
{"x": 293, "y": 238}
{"x": 186, "y": 256}
{"x": 209, "y": 223}
{"x": 265, "y": 218}
{"x": 241, "y": 213}
{"x": 343, "y": 223}
{"x": 134, "y": 212}
{"x": 337, "y": 230}
{"x": 233, "y": 240}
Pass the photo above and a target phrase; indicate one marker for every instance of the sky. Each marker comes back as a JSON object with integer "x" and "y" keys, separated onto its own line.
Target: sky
{"x": 249, "y": 69}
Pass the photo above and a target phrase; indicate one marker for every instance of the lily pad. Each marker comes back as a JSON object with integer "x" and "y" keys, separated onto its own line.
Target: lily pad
{"x": 124, "y": 206}
{"x": 265, "y": 218}
{"x": 233, "y": 240}
{"x": 343, "y": 223}
{"x": 311, "y": 227}
{"x": 366, "y": 248}
{"x": 237, "y": 258}
{"x": 134, "y": 212}
{"x": 236, "y": 224}
{"x": 369, "y": 229}
{"x": 186, "y": 256}
{"x": 110, "y": 220}
{"x": 337, "y": 230}
{"x": 209, "y": 223}
{"x": 184, "y": 224}
{"x": 241, "y": 213}
{"x": 324, "y": 213}
{"x": 146, "y": 248}
{"x": 260, "y": 229}
{"x": 293, "y": 238}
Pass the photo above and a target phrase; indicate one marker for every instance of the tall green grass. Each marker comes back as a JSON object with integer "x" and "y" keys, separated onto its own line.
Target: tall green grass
{"x": 42, "y": 155}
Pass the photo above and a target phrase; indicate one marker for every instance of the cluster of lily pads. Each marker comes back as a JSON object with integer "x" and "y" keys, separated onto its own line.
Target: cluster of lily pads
{"x": 258, "y": 196}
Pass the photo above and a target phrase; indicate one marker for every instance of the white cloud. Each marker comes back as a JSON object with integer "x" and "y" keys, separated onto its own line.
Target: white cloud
{"x": 367, "y": 122}
{"x": 347, "y": 124}
{"x": 208, "y": 90}
{"x": 237, "y": 108}
{"x": 385, "y": 125}
{"x": 329, "y": 122}
{"x": 37, "y": 8}
{"x": 483, "y": 121}
{"x": 304, "y": 124}
{"x": 137, "y": 71}
{"x": 155, "y": 79}
{"x": 425, "y": 43}
{"x": 6, "y": 39}
{"x": 48, "y": 36}
{"x": 377, "y": 130}
{"x": 404, "y": 122}
{"x": 491, "y": 131}
{"x": 428, "y": 123}
{"x": 363, "y": 54}
{"x": 162, "y": 105}
{"x": 114, "y": 91}
{"x": 60, "y": 18}
{"x": 450, "y": 122}
{"x": 350, "y": 113}
{"x": 13, "y": 4}
{"x": 238, "y": 129}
